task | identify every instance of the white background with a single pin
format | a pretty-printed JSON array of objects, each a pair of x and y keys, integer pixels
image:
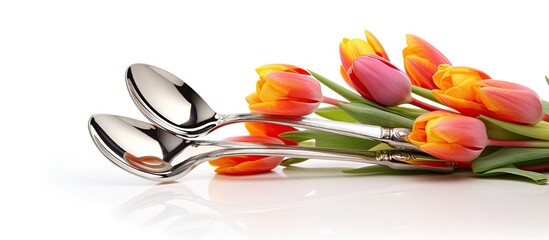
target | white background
[{"x": 62, "y": 61}]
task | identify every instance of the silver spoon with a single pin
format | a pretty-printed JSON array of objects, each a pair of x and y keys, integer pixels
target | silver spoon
[
  {"x": 155, "y": 154},
  {"x": 173, "y": 105}
]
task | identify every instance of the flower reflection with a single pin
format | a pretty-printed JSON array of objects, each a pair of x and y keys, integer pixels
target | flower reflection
[{"x": 311, "y": 203}]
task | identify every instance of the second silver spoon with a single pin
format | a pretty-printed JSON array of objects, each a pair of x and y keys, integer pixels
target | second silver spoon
[{"x": 146, "y": 151}]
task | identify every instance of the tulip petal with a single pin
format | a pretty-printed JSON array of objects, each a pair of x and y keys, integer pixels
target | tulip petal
[
  {"x": 464, "y": 91},
  {"x": 454, "y": 76},
  {"x": 420, "y": 47},
  {"x": 350, "y": 49},
  {"x": 283, "y": 85},
  {"x": 457, "y": 129},
  {"x": 262, "y": 71},
  {"x": 284, "y": 107},
  {"x": 345, "y": 76},
  {"x": 253, "y": 98},
  {"x": 420, "y": 71},
  {"x": 242, "y": 165},
  {"x": 375, "y": 44},
  {"x": 381, "y": 80},
  {"x": 270, "y": 130},
  {"x": 465, "y": 107},
  {"x": 251, "y": 167},
  {"x": 232, "y": 161},
  {"x": 451, "y": 151},
  {"x": 510, "y": 102}
]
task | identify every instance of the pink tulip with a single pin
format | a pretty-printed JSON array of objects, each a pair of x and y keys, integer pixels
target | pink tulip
[
  {"x": 502, "y": 100},
  {"x": 378, "y": 80}
]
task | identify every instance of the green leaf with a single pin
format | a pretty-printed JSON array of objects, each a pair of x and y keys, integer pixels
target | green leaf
[
  {"x": 538, "y": 131},
  {"x": 343, "y": 91},
  {"x": 545, "y": 105},
  {"x": 335, "y": 113},
  {"x": 289, "y": 161},
  {"x": 374, "y": 116},
  {"x": 411, "y": 113},
  {"x": 496, "y": 132},
  {"x": 426, "y": 93},
  {"x": 381, "y": 146},
  {"x": 510, "y": 169},
  {"x": 330, "y": 140},
  {"x": 547, "y": 79},
  {"x": 506, "y": 156},
  {"x": 380, "y": 169},
  {"x": 374, "y": 169}
]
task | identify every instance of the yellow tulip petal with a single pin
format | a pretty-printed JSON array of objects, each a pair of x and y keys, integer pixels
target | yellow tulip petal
[
  {"x": 345, "y": 76},
  {"x": 253, "y": 98},
  {"x": 375, "y": 44}
]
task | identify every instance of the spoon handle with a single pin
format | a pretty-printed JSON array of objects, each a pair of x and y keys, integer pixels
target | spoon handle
[
  {"x": 395, "y": 159},
  {"x": 396, "y": 137}
]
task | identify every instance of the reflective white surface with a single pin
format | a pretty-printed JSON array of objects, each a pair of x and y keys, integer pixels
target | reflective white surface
[
  {"x": 62, "y": 61},
  {"x": 317, "y": 201},
  {"x": 321, "y": 203}
]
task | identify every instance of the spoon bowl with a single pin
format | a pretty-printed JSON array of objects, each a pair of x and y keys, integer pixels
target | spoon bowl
[{"x": 169, "y": 102}]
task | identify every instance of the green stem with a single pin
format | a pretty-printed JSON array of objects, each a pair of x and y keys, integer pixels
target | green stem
[
  {"x": 348, "y": 94},
  {"x": 424, "y": 105},
  {"x": 518, "y": 143},
  {"x": 535, "y": 167},
  {"x": 424, "y": 92},
  {"x": 332, "y": 101}
]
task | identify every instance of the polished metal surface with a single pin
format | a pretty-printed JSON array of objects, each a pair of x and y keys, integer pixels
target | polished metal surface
[
  {"x": 155, "y": 154},
  {"x": 173, "y": 105}
]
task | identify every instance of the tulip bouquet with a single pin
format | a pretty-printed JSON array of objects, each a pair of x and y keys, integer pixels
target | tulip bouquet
[{"x": 456, "y": 113}]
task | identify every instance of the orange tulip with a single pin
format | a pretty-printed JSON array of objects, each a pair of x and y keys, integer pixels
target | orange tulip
[
  {"x": 378, "y": 80},
  {"x": 270, "y": 130},
  {"x": 449, "y": 136},
  {"x": 421, "y": 61},
  {"x": 502, "y": 100},
  {"x": 244, "y": 165},
  {"x": 285, "y": 90},
  {"x": 350, "y": 49},
  {"x": 449, "y": 76}
]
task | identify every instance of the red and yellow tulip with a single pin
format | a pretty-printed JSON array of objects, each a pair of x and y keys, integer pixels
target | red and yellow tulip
[
  {"x": 471, "y": 93},
  {"x": 270, "y": 130},
  {"x": 421, "y": 61},
  {"x": 245, "y": 165},
  {"x": 350, "y": 49},
  {"x": 285, "y": 90},
  {"x": 449, "y": 136}
]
